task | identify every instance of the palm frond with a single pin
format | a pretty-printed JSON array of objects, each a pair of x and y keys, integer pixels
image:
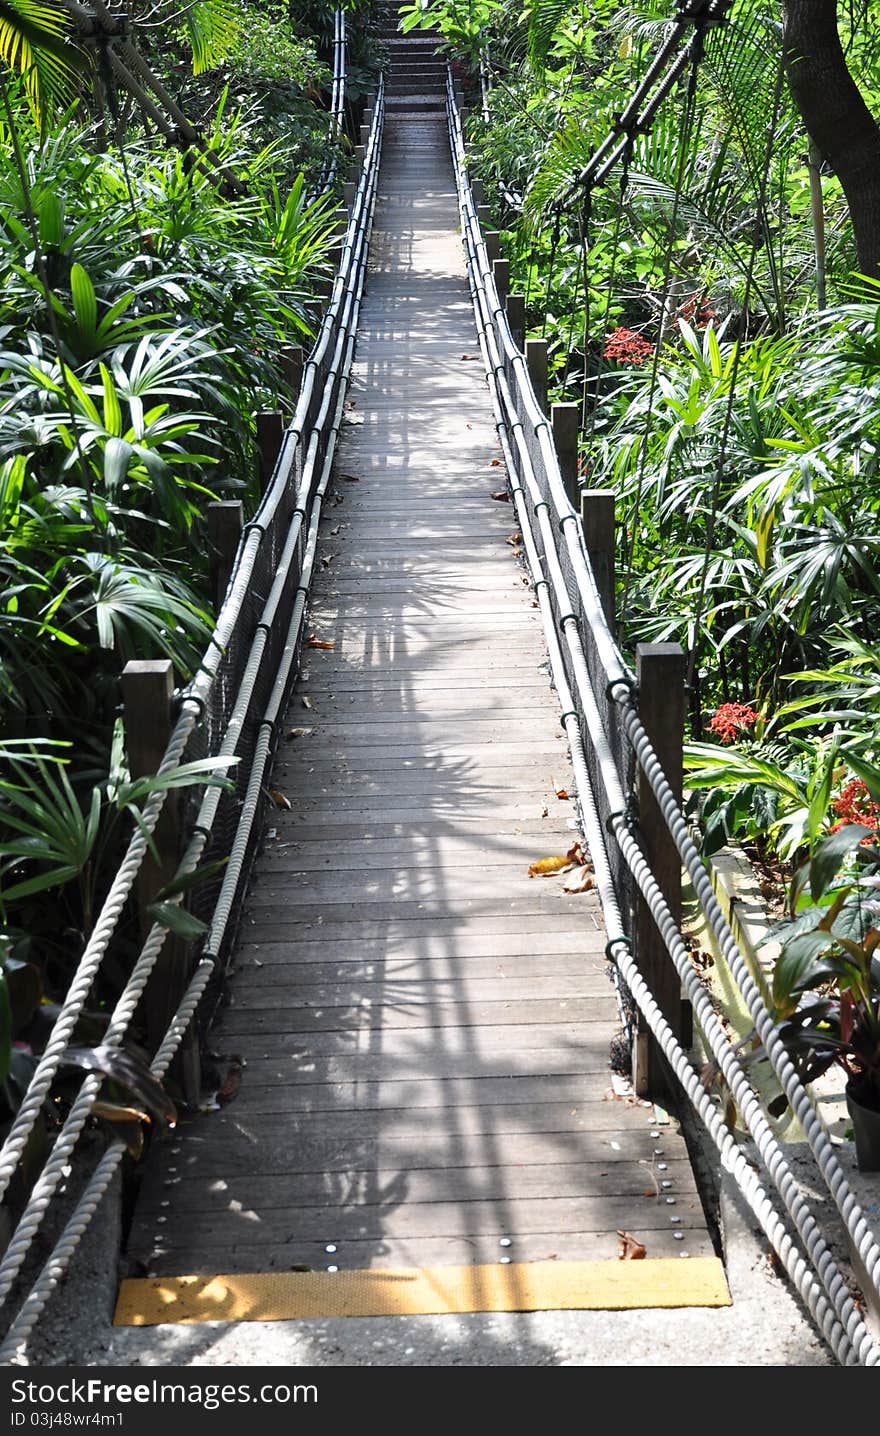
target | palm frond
[
  {"x": 212, "y": 26},
  {"x": 36, "y": 43}
]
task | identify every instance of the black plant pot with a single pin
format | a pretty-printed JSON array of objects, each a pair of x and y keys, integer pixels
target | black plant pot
[{"x": 866, "y": 1127}]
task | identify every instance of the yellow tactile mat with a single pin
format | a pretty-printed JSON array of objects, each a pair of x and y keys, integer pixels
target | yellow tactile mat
[{"x": 523, "y": 1286}]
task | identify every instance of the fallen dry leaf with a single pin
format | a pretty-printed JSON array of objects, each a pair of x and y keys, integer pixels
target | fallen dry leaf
[
  {"x": 494, "y": 463},
  {"x": 470, "y": 356},
  {"x": 629, "y": 1248},
  {"x": 546, "y": 867},
  {"x": 231, "y": 1082},
  {"x": 579, "y": 881},
  {"x": 514, "y": 539},
  {"x": 350, "y": 478},
  {"x": 313, "y": 641},
  {"x": 337, "y": 530},
  {"x": 298, "y": 732},
  {"x": 562, "y": 793},
  {"x": 327, "y": 559},
  {"x": 307, "y": 702},
  {"x": 279, "y": 799},
  {"x": 338, "y": 499},
  {"x": 501, "y": 496}
]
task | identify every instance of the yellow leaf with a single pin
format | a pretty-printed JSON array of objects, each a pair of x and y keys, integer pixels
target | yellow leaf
[
  {"x": 546, "y": 867},
  {"x": 279, "y": 799}
]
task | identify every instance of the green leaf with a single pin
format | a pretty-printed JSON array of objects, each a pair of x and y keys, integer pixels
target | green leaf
[
  {"x": 177, "y": 920},
  {"x": 794, "y": 965},
  {"x": 85, "y": 304},
  {"x": 868, "y": 772},
  {"x": 116, "y": 459},
  {"x": 828, "y": 857}
]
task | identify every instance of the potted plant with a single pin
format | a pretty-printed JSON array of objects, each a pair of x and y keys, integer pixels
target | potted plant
[{"x": 826, "y": 983}]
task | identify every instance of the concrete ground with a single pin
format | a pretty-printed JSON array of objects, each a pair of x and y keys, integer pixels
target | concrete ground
[{"x": 765, "y": 1326}]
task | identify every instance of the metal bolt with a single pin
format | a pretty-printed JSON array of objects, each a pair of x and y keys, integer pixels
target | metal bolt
[
  {"x": 679, "y": 1236},
  {"x": 505, "y": 1242},
  {"x": 330, "y": 1247},
  {"x": 333, "y": 1268},
  {"x": 658, "y": 1151},
  {"x": 654, "y": 1134},
  {"x": 675, "y": 1219},
  {"x": 666, "y": 1184},
  {"x": 662, "y": 1166},
  {"x": 505, "y": 1261},
  {"x": 670, "y": 1201}
]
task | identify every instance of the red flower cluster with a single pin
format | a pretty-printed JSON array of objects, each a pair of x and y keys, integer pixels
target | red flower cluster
[
  {"x": 855, "y": 805},
  {"x": 624, "y": 346},
  {"x": 697, "y": 310},
  {"x": 732, "y": 721}
]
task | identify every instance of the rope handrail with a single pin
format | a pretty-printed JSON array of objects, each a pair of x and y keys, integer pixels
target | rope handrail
[
  {"x": 556, "y": 539},
  {"x": 299, "y": 482}
]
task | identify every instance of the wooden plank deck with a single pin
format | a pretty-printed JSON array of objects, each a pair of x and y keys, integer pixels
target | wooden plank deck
[{"x": 424, "y": 1028}]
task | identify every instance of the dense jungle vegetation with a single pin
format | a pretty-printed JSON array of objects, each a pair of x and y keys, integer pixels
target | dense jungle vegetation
[{"x": 164, "y": 232}]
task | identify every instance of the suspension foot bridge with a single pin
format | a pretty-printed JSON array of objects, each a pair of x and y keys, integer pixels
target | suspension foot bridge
[{"x": 426, "y": 1119}]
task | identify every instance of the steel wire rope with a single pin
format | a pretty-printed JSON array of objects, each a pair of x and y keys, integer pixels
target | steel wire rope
[
  {"x": 686, "y": 131},
  {"x": 609, "y": 289},
  {"x": 731, "y": 393}
]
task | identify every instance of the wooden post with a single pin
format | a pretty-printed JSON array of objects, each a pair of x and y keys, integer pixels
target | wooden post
[
  {"x": 536, "y": 359},
  {"x": 340, "y": 214},
  {"x": 147, "y": 688},
  {"x": 349, "y": 190},
  {"x": 565, "y": 420},
  {"x": 270, "y": 432},
  {"x": 492, "y": 238},
  {"x": 484, "y": 216},
  {"x": 477, "y": 191},
  {"x": 365, "y": 135},
  {"x": 360, "y": 155},
  {"x": 292, "y": 361},
  {"x": 225, "y": 523},
  {"x": 516, "y": 318},
  {"x": 597, "y": 518},
  {"x": 501, "y": 274},
  {"x": 660, "y": 673}
]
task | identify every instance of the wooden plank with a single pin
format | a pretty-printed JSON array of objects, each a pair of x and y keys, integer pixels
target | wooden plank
[
  {"x": 283, "y": 1013},
  {"x": 489, "y": 930},
  {"x": 540, "y": 1093},
  {"x": 304, "y": 1065},
  {"x": 163, "y": 1258},
  {"x": 491, "y": 1184},
  {"x": 459, "y": 1218},
  {"x": 274, "y": 986}
]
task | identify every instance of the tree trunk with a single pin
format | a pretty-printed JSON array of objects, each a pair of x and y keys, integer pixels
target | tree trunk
[{"x": 836, "y": 116}]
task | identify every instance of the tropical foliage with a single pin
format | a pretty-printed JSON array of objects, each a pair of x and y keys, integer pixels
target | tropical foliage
[
  {"x": 700, "y": 303},
  {"x": 149, "y": 285}
]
